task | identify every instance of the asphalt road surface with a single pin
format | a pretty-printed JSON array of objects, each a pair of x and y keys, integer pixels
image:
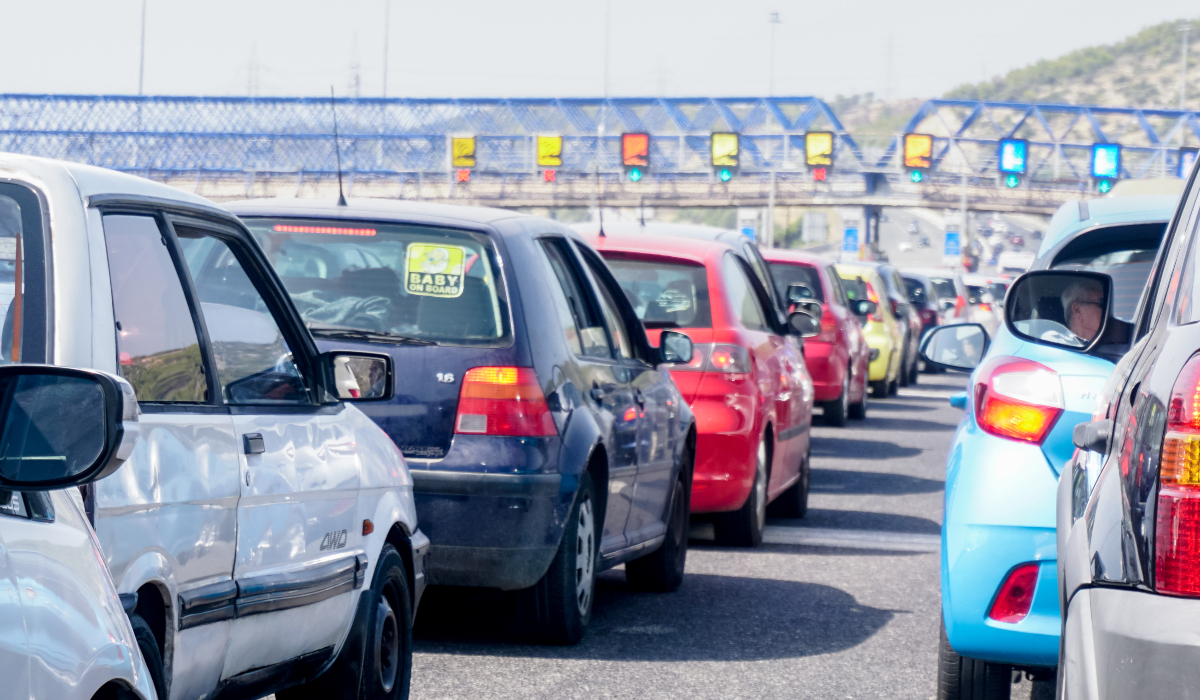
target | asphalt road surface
[{"x": 841, "y": 604}]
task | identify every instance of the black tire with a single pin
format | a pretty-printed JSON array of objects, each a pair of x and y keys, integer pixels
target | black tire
[
  {"x": 858, "y": 411},
  {"x": 894, "y": 387},
  {"x": 661, "y": 571},
  {"x": 902, "y": 377},
  {"x": 557, "y": 609},
  {"x": 376, "y": 661},
  {"x": 744, "y": 526},
  {"x": 793, "y": 503},
  {"x": 836, "y": 410},
  {"x": 879, "y": 389},
  {"x": 914, "y": 373},
  {"x": 962, "y": 678},
  {"x": 148, "y": 645}
]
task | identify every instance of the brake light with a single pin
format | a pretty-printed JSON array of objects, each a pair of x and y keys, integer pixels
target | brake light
[
  {"x": 730, "y": 359},
  {"x": 1177, "y": 534},
  {"x": 503, "y": 401},
  {"x": 1018, "y": 399},
  {"x": 1016, "y": 594},
  {"x": 872, "y": 296},
  {"x": 331, "y": 230},
  {"x": 829, "y": 325},
  {"x": 960, "y": 304},
  {"x": 985, "y": 307},
  {"x": 929, "y": 317}
]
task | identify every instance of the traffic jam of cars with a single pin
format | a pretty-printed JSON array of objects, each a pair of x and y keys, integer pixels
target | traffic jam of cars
[{"x": 244, "y": 440}]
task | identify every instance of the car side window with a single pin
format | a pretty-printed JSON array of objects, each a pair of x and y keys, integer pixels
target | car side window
[
  {"x": 608, "y": 305},
  {"x": 15, "y": 506},
  {"x": 157, "y": 343},
  {"x": 254, "y": 363},
  {"x": 566, "y": 316},
  {"x": 1177, "y": 256},
  {"x": 592, "y": 339},
  {"x": 835, "y": 282},
  {"x": 742, "y": 300},
  {"x": 1184, "y": 277}
]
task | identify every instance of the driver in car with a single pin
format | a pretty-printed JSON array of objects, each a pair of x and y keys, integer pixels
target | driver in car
[{"x": 1083, "y": 305}]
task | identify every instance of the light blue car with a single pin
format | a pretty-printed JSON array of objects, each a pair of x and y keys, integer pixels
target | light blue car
[{"x": 1000, "y": 608}]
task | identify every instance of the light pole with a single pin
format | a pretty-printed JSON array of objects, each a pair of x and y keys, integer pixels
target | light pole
[
  {"x": 773, "y": 20},
  {"x": 142, "y": 54},
  {"x": 1185, "y": 27},
  {"x": 387, "y": 30}
]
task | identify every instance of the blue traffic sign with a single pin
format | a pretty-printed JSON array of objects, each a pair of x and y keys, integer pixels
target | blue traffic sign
[
  {"x": 1014, "y": 156},
  {"x": 953, "y": 247},
  {"x": 850, "y": 241}
]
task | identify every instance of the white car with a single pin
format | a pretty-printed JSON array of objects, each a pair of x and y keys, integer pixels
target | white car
[
  {"x": 63, "y": 630},
  {"x": 265, "y": 525}
]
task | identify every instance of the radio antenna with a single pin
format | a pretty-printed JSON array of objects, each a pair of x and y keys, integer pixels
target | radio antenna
[{"x": 337, "y": 148}]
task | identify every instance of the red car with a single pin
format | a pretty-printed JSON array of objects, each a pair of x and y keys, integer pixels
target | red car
[
  {"x": 837, "y": 359},
  {"x": 747, "y": 383}
]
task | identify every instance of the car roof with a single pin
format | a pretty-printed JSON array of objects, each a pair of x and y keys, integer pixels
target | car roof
[
  {"x": 697, "y": 251},
  {"x": 929, "y": 272},
  {"x": 780, "y": 255},
  {"x": 1078, "y": 215},
  {"x": 393, "y": 210}
]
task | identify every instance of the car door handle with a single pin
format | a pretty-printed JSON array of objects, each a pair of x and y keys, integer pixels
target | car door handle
[{"x": 254, "y": 444}]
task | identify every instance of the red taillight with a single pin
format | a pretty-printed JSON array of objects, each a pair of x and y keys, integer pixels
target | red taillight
[
  {"x": 960, "y": 305},
  {"x": 731, "y": 359},
  {"x": 1017, "y": 399},
  {"x": 872, "y": 296},
  {"x": 1177, "y": 535},
  {"x": 828, "y": 325},
  {"x": 1016, "y": 595},
  {"x": 986, "y": 307},
  {"x": 503, "y": 401},
  {"x": 929, "y": 317}
]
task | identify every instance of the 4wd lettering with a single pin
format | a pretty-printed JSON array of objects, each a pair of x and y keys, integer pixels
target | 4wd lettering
[{"x": 333, "y": 540}]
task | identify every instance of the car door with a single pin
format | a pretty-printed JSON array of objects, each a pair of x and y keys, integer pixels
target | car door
[
  {"x": 605, "y": 381},
  {"x": 653, "y": 396},
  {"x": 173, "y": 509},
  {"x": 298, "y": 535},
  {"x": 14, "y": 645}
]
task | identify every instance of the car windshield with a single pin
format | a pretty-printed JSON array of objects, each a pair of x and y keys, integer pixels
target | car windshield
[
  {"x": 408, "y": 282},
  {"x": 943, "y": 287},
  {"x": 787, "y": 274},
  {"x": 664, "y": 294},
  {"x": 1125, "y": 253}
]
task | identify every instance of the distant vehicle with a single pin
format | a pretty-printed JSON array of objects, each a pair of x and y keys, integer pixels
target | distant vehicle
[
  {"x": 884, "y": 331},
  {"x": 529, "y": 393},
  {"x": 838, "y": 359},
  {"x": 986, "y": 310},
  {"x": 922, "y": 294},
  {"x": 1037, "y": 235},
  {"x": 914, "y": 227},
  {"x": 1023, "y": 400},
  {"x": 1016, "y": 240},
  {"x": 1015, "y": 262},
  {"x": 905, "y": 246},
  {"x": 750, "y": 451},
  {"x": 924, "y": 242},
  {"x": 996, "y": 240}
]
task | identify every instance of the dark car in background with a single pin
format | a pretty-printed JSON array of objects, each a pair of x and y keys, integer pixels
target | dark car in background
[
  {"x": 923, "y": 295},
  {"x": 906, "y": 316},
  {"x": 544, "y": 441}
]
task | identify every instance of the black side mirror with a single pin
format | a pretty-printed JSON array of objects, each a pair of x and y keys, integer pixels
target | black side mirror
[
  {"x": 1068, "y": 310},
  {"x": 803, "y": 325},
  {"x": 360, "y": 376},
  {"x": 800, "y": 292},
  {"x": 812, "y": 308},
  {"x": 675, "y": 348},
  {"x": 63, "y": 427},
  {"x": 959, "y": 347},
  {"x": 863, "y": 307},
  {"x": 1093, "y": 437}
]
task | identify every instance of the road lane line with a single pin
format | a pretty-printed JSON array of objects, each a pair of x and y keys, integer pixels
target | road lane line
[{"x": 851, "y": 539}]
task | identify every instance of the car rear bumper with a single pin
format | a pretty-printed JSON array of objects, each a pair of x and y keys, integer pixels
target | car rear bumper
[
  {"x": 724, "y": 471},
  {"x": 490, "y": 530},
  {"x": 1123, "y": 643},
  {"x": 827, "y": 369}
]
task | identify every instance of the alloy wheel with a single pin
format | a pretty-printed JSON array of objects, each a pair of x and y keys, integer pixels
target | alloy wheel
[
  {"x": 585, "y": 557},
  {"x": 760, "y": 487}
]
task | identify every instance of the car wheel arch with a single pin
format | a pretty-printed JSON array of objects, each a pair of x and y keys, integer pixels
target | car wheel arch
[{"x": 399, "y": 537}]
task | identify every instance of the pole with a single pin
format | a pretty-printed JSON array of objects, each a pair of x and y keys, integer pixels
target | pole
[
  {"x": 387, "y": 30},
  {"x": 1187, "y": 27},
  {"x": 142, "y": 54},
  {"x": 963, "y": 238},
  {"x": 770, "y": 227},
  {"x": 773, "y": 20}
]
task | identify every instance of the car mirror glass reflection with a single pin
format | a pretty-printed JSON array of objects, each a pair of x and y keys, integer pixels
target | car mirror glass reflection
[
  {"x": 960, "y": 347},
  {"x": 1068, "y": 310}
]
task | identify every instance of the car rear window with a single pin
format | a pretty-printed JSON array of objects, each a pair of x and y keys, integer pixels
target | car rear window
[
  {"x": 943, "y": 288},
  {"x": 787, "y": 274},
  {"x": 433, "y": 284},
  {"x": 1126, "y": 253},
  {"x": 664, "y": 294},
  {"x": 916, "y": 291}
]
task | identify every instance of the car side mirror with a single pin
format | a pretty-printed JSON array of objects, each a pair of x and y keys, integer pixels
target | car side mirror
[
  {"x": 1093, "y": 437},
  {"x": 863, "y": 307},
  {"x": 812, "y": 308},
  {"x": 360, "y": 376},
  {"x": 803, "y": 325},
  {"x": 958, "y": 347},
  {"x": 1068, "y": 310},
  {"x": 675, "y": 348},
  {"x": 800, "y": 292},
  {"x": 63, "y": 427}
]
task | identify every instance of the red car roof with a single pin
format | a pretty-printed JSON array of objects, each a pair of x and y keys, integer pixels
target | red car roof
[
  {"x": 795, "y": 256},
  {"x": 690, "y": 249}
]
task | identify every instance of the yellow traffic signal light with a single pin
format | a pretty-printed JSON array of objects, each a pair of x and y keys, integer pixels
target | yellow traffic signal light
[
  {"x": 818, "y": 149},
  {"x": 724, "y": 150},
  {"x": 918, "y": 151},
  {"x": 549, "y": 151},
  {"x": 462, "y": 151}
]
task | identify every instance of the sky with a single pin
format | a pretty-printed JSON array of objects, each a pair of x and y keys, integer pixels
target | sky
[{"x": 549, "y": 48}]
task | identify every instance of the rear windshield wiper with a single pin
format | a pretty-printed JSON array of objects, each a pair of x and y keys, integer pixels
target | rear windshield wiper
[{"x": 369, "y": 336}]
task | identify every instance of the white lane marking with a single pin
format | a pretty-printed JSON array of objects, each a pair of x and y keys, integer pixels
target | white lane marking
[
  {"x": 918, "y": 394},
  {"x": 852, "y": 539}
]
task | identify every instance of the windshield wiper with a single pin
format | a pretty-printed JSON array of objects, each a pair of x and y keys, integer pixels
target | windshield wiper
[{"x": 369, "y": 336}]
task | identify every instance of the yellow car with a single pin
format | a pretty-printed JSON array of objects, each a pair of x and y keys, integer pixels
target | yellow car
[{"x": 881, "y": 328}]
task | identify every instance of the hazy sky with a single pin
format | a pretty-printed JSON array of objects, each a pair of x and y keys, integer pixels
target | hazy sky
[{"x": 540, "y": 48}]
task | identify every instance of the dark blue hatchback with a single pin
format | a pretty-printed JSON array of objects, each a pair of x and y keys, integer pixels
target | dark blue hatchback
[{"x": 545, "y": 439}]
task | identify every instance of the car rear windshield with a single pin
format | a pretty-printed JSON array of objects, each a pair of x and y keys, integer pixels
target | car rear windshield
[
  {"x": 975, "y": 294},
  {"x": 1126, "y": 253},
  {"x": 787, "y": 274},
  {"x": 916, "y": 291},
  {"x": 943, "y": 287},
  {"x": 664, "y": 294},
  {"x": 426, "y": 283}
]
